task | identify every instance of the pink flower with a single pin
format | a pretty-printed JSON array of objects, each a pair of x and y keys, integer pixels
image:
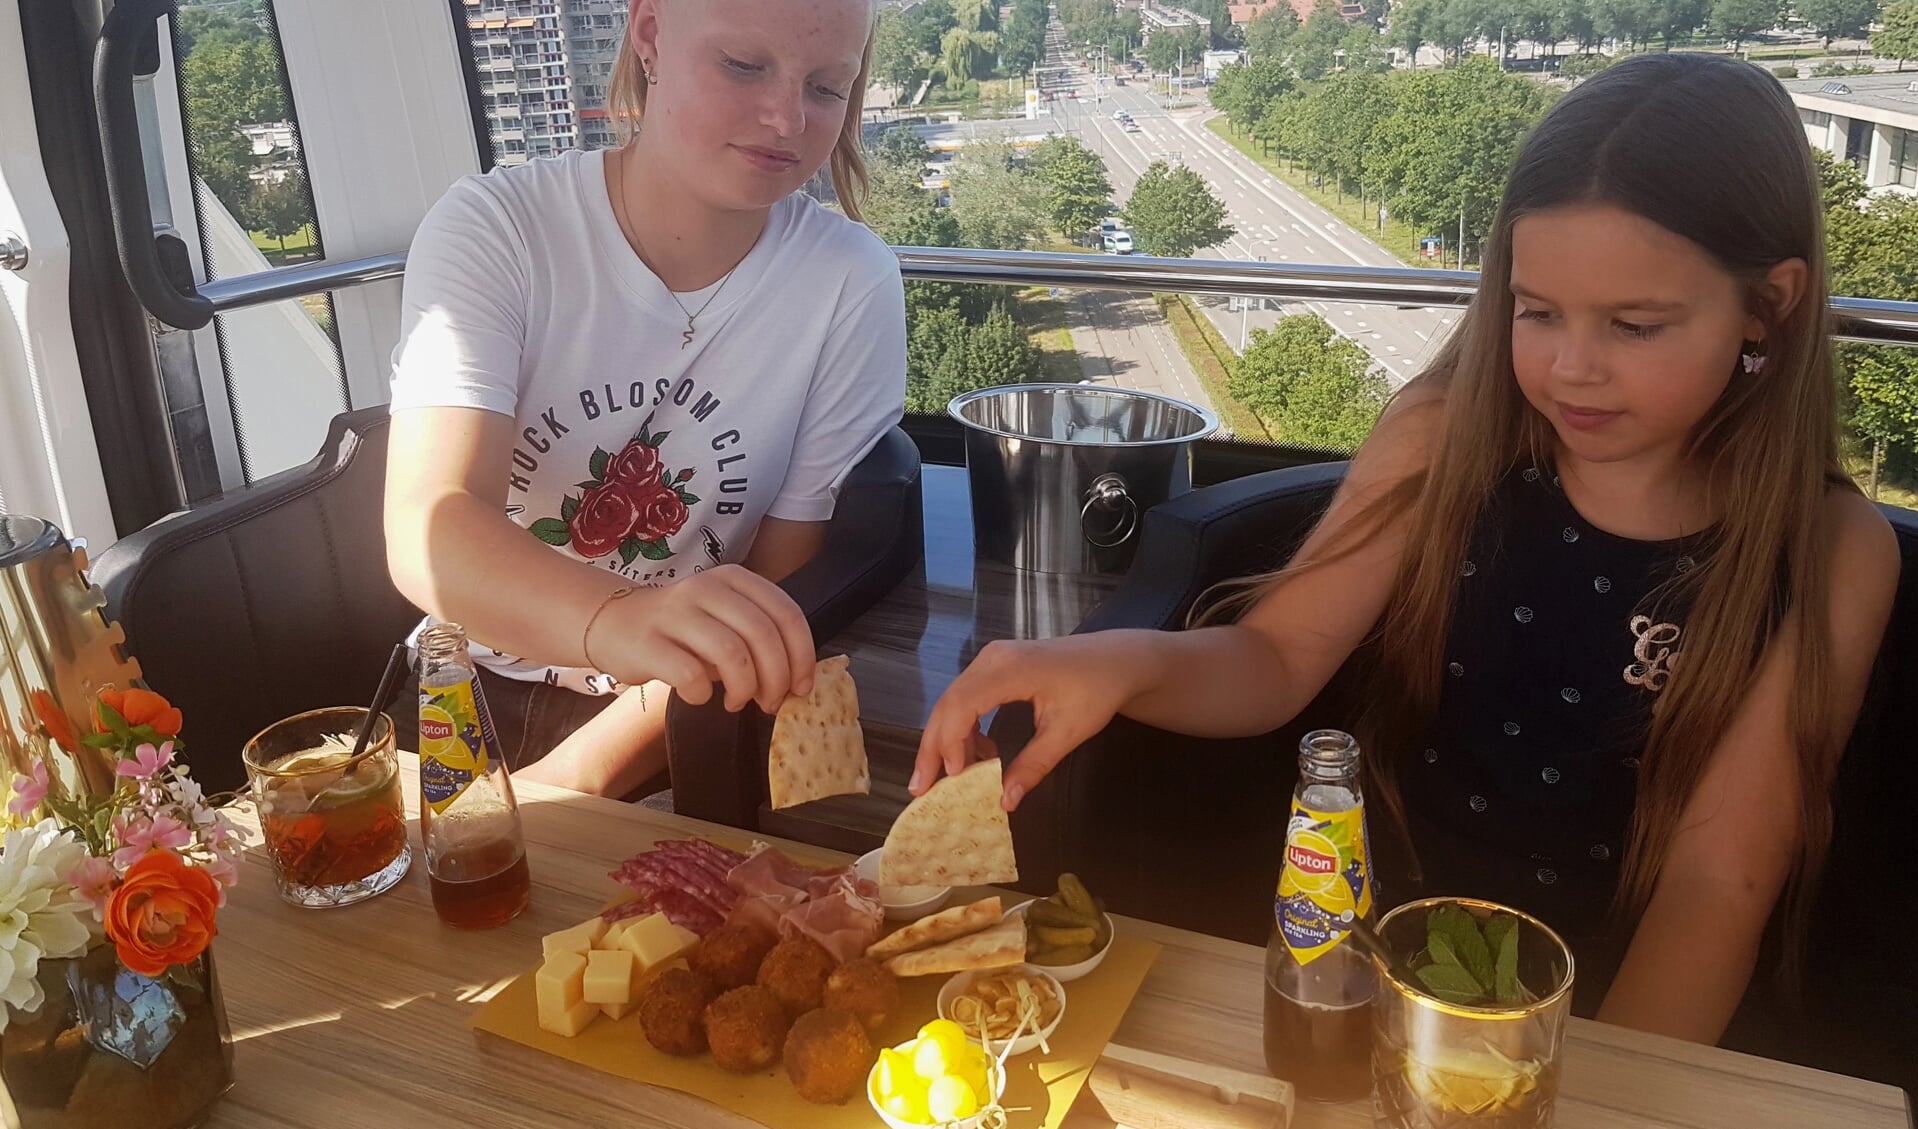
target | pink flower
[
  {"x": 29, "y": 791},
  {"x": 224, "y": 873},
  {"x": 94, "y": 878},
  {"x": 139, "y": 835},
  {"x": 145, "y": 762}
]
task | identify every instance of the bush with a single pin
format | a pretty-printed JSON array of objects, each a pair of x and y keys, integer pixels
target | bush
[
  {"x": 1832, "y": 68},
  {"x": 1583, "y": 66},
  {"x": 1786, "y": 71}
]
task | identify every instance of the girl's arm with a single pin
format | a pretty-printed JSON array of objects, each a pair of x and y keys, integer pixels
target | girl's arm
[
  {"x": 1238, "y": 680},
  {"x": 1697, "y": 943},
  {"x": 452, "y": 551}
]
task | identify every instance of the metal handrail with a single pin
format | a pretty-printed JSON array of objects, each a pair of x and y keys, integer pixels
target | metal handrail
[{"x": 1869, "y": 320}]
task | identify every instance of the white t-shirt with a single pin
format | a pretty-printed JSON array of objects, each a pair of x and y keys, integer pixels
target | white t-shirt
[{"x": 637, "y": 451}]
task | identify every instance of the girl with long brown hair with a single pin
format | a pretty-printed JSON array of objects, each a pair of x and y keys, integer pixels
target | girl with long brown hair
[
  {"x": 630, "y": 383},
  {"x": 1617, "y": 600}
]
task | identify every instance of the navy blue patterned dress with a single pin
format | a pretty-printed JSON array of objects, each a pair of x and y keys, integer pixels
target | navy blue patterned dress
[{"x": 1523, "y": 790}]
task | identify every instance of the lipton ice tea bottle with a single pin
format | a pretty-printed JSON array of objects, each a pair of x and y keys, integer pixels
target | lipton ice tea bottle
[
  {"x": 475, "y": 855},
  {"x": 1318, "y": 982}
]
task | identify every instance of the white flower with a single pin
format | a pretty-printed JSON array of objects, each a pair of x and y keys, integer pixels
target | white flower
[{"x": 42, "y": 915}]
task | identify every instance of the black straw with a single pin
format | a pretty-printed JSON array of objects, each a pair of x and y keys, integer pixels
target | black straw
[{"x": 396, "y": 665}]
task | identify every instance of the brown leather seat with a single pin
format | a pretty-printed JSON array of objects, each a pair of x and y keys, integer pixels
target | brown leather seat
[{"x": 276, "y": 599}]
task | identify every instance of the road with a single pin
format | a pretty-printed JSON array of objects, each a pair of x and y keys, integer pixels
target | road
[
  {"x": 1274, "y": 221},
  {"x": 1123, "y": 340}
]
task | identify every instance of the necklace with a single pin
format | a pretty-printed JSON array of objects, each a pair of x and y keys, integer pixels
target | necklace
[{"x": 627, "y": 229}]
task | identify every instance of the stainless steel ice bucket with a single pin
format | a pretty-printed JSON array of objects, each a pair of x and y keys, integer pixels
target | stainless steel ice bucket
[{"x": 1062, "y": 474}]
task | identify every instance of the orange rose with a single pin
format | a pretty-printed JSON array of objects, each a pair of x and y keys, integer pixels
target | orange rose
[
  {"x": 59, "y": 729},
  {"x": 144, "y": 707},
  {"x": 162, "y": 914}
]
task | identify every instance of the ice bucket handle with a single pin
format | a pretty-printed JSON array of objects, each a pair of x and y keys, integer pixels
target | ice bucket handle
[{"x": 1108, "y": 492}]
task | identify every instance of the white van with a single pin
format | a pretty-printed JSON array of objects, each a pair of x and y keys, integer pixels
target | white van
[{"x": 1118, "y": 243}]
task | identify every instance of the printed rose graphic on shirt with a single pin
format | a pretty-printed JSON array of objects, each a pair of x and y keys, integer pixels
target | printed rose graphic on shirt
[{"x": 632, "y": 504}]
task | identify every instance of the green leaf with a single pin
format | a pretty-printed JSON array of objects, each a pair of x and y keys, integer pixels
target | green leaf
[
  {"x": 1461, "y": 930},
  {"x": 645, "y": 430},
  {"x": 659, "y": 439},
  {"x": 628, "y": 549},
  {"x": 1442, "y": 952},
  {"x": 655, "y": 550},
  {"x": 689, "y": 499},
  {"x": 589, "y": 485},
  {"x": 1497, "y": 927},
  {"x": 552, "y": 531},
  {"x": 1450, "y": 983},
  {"x": 1510, "y": 992},
  {"x": 113, "y": 720},
  {"x": 100, "y": 741},
  {"x": 568, "y": 506},
  {"x": 598, "y": 466}
]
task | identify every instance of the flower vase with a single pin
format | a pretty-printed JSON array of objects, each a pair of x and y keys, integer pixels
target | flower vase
[{"x": 110, "y": 1047}]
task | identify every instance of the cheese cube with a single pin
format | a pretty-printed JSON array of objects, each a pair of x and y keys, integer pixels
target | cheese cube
[
  {"x": 560, "y": 989},
  {"x": 614, "y": 931},
  {"x": 609, "y": 977},
  {"x": 578, "y": 939},
  {"x": 641, "y": 979},
  {"x": 654, "y": 940}
]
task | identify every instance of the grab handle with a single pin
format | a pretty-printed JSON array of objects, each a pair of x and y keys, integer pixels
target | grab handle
[
  {"x": 1108, "y": 492},
  {"x": 127, "y": 35}
]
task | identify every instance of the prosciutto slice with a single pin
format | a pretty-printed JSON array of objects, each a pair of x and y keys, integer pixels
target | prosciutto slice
[{"x": 832, "y": 907}]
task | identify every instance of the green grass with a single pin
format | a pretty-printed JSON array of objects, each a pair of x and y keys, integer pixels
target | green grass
[
  {"x": 1212, "y": 359},
  {"x": 1045, "y": 319},
  {"x": 298, "y": 244}
]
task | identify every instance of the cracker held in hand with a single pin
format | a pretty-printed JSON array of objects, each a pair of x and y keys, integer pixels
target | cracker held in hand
[
  {"x": 954, "y": 835},
  {"x": 818, "y": 749},
  {"x": 958, "y": 921},
  {"x": 1001, "y": 945}
]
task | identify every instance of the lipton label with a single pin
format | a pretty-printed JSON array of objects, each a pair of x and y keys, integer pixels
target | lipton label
[
  {"x": 456, "y": 740},
  {"x": 1326, "y": 882}
]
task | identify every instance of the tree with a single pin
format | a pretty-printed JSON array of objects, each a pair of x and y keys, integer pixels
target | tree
[
  {"x": 1270, "y": 32},
  {"x": 1244, "y": 90},
  {"x": 1078, "y": 192},
  {"x": 1166, "y": 48},
  {"x": 1349, "y": 109},
  {"x": 967, "y": 54},
  {"x": 902, "y": 148},
  {"x": 1838, "y": 19},
  {"x": 1409, "y": 27},
  {"x": 1175, "y": 212},
  {"x": 1674, "y": 19},
  {"x": 233, "y": 81},
  {"x": 1739, "y": 20},
  {"x": 1625, "y": 20},
  {"x": 928, "y": 23},
  {"x": 897, "y": 60},
  {"x": 1310, "y": 386},
  {"x": 1313, "y": 49},
  {"x": 946, "y": 357},
  {"x": 999, "y": 203},
  {"x": 1443, "y": 150},
  {"x": 1023, "y": 42},
  {"x": 282, "y": 208},
  {"x": 1898, "y": 38},
  {"x": 977, "y": 15}
]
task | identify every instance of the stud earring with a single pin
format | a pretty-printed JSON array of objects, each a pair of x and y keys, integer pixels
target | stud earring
[
  {"x": 1752, "y": 358},
  {"x": 651, "y": 78}
]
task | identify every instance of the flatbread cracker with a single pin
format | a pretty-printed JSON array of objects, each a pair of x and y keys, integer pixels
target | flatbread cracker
[
  {"x": 959, "y": 921},
  {"x": 954, "y": 835},
  {"x": 818, "y": 749},
  {"x": 1003, "y": 944}
]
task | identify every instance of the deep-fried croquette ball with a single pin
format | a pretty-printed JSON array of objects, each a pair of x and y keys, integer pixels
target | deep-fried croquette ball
[
  {"x": 670, "y": 1012},
  {"x": 745, "y": 1028},
  {"x": 729, "y": 956},
  {"x": 795, "y": 971},
  {"x": 866, "y": 988},
  {"x": 828, "y": 1056}
]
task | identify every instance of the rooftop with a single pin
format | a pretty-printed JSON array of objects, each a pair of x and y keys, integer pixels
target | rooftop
[{"x": 1886, "y": 92}]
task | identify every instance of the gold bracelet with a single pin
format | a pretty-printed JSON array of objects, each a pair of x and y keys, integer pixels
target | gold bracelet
[{"x": 616, "y": 594}]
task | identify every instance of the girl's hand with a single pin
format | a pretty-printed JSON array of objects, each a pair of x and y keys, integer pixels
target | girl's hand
[
  {"x": 1076, "y": 685},
  {"x": 727, "y": 625}
]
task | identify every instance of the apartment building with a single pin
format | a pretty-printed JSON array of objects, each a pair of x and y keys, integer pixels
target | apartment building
[{"x": 1869, "y": 120}]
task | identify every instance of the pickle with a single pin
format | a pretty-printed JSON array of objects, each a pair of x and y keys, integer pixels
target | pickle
[
  {"x": 1049, "y": 913},
  {"x": 1102, "y": 933},
  {"x": 1076, "y": 897},
  {"x": 1066, "y": 938},
  {"x": 1071, "y": 954}
]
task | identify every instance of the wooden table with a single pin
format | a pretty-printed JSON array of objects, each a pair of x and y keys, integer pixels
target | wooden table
[{"x": 357, "y": 1017}]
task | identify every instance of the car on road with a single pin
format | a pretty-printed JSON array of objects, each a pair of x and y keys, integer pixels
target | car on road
[
  {"x": 1118, "y": 243},
  {"x": 1120, "y": 115},
  {"x": 1129, "y": 126},
  {"x": 1109, "y": 226}
]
